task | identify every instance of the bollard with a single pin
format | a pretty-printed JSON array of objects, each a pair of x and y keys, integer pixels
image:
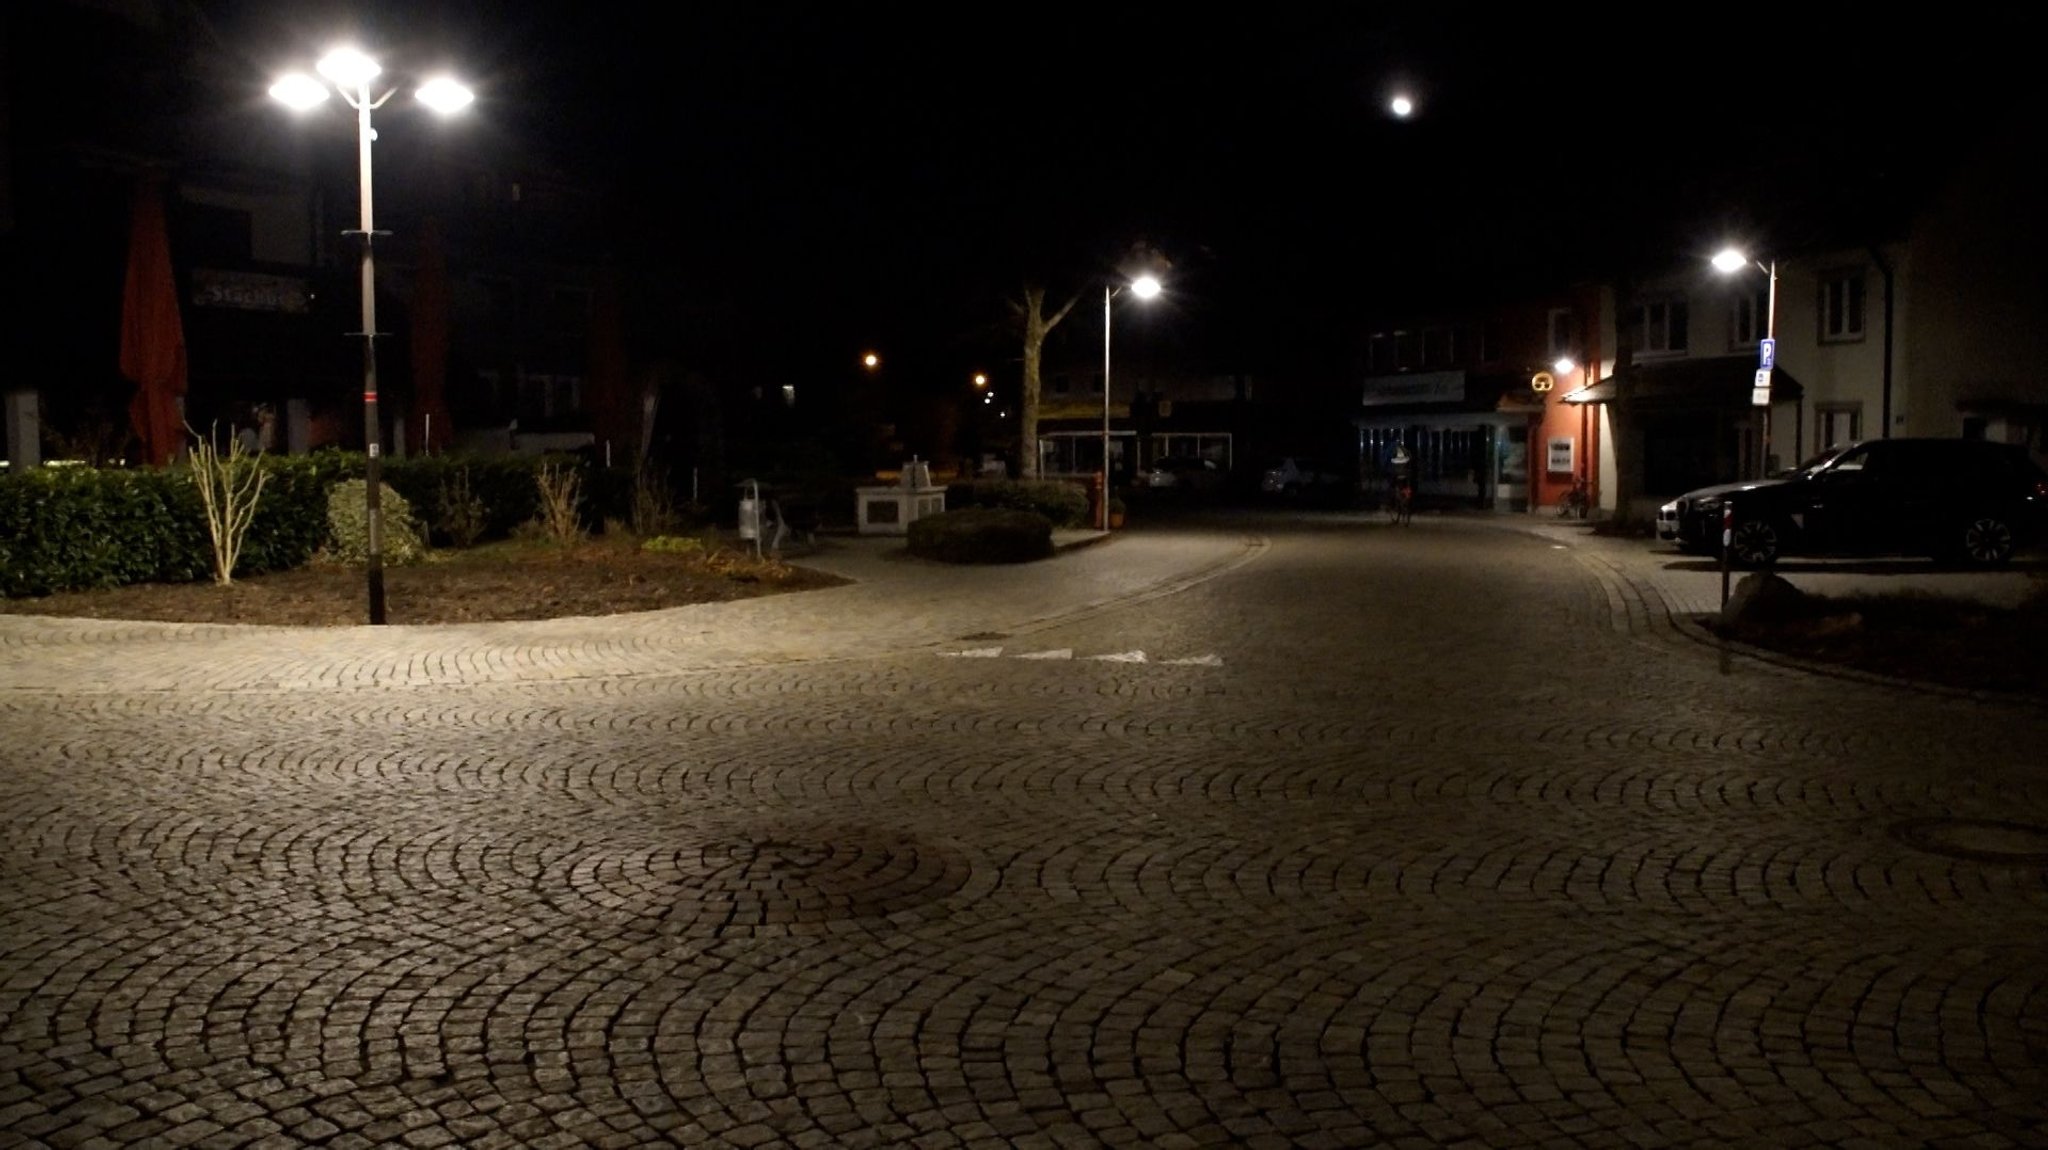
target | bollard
[{"x": 1727, "y": 546}]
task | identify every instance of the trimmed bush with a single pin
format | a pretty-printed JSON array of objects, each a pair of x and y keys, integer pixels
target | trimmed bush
[
  {"x": 348, "y": 519},
  {"x": 70, "y": 528},
  {"x": 982, "y": 535},
  {"x": 1063, "y": 504}
]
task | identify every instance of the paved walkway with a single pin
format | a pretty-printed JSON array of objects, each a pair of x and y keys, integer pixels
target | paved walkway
[{"x": 1315, "y": 836}]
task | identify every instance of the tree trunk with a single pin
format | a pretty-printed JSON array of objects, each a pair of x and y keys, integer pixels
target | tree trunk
[
  {"x": 1037, "y": 325},
  {"x": 1628, "y": 436}
]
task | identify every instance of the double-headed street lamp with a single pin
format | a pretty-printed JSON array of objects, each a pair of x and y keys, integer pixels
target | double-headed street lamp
[
  {"x": 1144, "y": 287},
  {"x": 350, "y": 73},
  {"x": 1731, "y": 260}
]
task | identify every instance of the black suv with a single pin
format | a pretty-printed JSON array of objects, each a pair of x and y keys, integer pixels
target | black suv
[{"x": 1967, "y": 500}]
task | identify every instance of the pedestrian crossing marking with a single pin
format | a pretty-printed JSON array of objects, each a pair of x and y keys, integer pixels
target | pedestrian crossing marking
[{"x": 1067, "y": 654}]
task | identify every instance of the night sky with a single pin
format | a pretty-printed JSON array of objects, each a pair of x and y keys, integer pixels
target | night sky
[{"x": 852, "y": 174}]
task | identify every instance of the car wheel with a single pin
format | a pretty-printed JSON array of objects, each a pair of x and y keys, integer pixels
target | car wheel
[
  {"x": 1987, "y": 541},
  {"x": 1754, "y": 543}
]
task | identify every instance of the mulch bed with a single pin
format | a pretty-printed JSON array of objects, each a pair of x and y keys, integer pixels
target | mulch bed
[{"x": 502, "y": 581}]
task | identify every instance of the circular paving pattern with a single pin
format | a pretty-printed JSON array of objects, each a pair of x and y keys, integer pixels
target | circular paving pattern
[{"x": 1554, "y": 886}]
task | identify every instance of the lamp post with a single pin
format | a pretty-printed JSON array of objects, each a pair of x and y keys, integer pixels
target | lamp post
[
  {"x": 1729, "y": 261},
  {"x": 350, "y": 73},
  {"x": 1144, "y": 287}
]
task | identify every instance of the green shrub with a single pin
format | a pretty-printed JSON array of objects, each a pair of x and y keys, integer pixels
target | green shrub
[
  {"x": 982, "y": 535},
  {"x": 68, "y": 528},
  {"x": 1064, "y": 504},
  {"x": 348, "y": 521},
  {"x": 674, "y": 545},
  {"x": 458, "y": 515}
]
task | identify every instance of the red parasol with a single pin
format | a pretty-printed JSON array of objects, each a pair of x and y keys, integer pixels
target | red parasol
[{"x": 152, "y": 336}]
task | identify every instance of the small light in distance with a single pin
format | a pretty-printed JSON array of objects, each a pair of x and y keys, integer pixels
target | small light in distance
[{"x": 1402, "y": 107}]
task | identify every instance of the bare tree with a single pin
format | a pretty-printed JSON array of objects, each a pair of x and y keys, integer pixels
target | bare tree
[
  {"x": 229, "y": 489},
  {"x": 1036, "y": 325}
]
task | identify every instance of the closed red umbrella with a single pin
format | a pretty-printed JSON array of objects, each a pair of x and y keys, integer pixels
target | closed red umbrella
[
  {"x": 430, "y": 343},
  {"x": 152, "y": 335}
]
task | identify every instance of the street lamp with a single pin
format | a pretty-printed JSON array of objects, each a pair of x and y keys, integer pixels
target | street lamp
[
  {"x": 1731, "y": 260},
  {"x": 1144, "y": 287},
  {"x": 350, "y": 73}
]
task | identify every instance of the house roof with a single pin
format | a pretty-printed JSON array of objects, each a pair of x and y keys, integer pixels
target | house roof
[{"x": 1694, "y": 382}]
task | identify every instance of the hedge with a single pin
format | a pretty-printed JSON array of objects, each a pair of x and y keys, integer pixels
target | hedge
[
  {"x": 74, "y": 528},
  {"x": 982, "y": 535},
  {"x": 1064, "y": 504}
]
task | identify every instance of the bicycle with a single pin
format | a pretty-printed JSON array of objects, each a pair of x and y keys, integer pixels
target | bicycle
[
  {"x": 1576, "y": 502},
  {"x": 1401, "y": 502}
]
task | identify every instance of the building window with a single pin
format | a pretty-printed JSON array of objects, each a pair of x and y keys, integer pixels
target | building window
[
  {"x": 1379, "y": 354},
  {"x": 1407, "y": 350},
  {"x": 1561, "y": 342},
  {"x": 1438, "y": 348},
  {"x": 1661, "y": 327},
  {"x": 1749, "y": 319},
  {"x": 1835, "y": 424},
  {"x": 1841, "y": 308}
]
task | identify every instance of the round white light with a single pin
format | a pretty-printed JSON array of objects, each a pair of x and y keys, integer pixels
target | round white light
[
  {"x": 1730, "y": 260},
  {"x": 348, "y": 67},
  {"x": 445, "y": 95},
  {"x": 298, "y": 90},
  {"x": 1564, "y": 366},
  {"x": 1145, "y": 287},
  {"x": 1402, "y": 106}
]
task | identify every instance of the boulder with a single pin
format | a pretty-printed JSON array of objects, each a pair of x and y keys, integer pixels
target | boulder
[{"x": 1762, "y": 598}]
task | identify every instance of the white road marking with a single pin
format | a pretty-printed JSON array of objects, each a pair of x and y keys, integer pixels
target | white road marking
[
  {"x": 1197, "y": 661},
  {"x": 1125, "y": 657},
  {"x": 976, "y": 653},
  {"x": 1059, "y": 653}
]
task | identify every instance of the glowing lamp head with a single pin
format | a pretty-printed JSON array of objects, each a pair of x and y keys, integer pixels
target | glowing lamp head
[
  {"x": 1145, "y": 287},
  {"x": 1564, "y": 366},
  {"x": 298, "y": 91},
  {"x": 1401, "y": 106},
  {"x": 348, "y": 67},
  {"x": 1730, "y": 260},
  {"x": 445, "y": 96}
]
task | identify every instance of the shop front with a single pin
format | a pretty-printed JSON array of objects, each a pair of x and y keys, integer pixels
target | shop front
[{"x": 1469, "y": 438}]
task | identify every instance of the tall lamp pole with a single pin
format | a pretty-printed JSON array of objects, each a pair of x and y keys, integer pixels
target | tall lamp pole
[
  {"x": 1729, "y": 261},
  {"x": 1144, "y": 287},
  {"x": 351, "y": 72}
]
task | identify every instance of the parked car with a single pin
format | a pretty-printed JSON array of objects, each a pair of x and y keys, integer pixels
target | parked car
[
  {"x": 1964, "y": 500},
  {"x": 1183, "y": 472},
  {"x": 1295, "y": 475}
]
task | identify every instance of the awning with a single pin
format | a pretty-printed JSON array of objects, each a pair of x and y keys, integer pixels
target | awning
[{"x": 1694, "y": 382}]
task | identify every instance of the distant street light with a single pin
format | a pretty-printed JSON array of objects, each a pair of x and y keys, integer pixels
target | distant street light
[
  {"x": 1144, "y": 287},
  {"x": 871, "y": 361},
  {"x": 1401, "y": 106},
  {"x": 351, "y": 72},
  {"x": 1729, "y": 261}
]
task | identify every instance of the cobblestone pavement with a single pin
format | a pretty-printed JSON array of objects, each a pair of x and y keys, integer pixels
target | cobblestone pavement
[{"x": 1313, "y": 832}]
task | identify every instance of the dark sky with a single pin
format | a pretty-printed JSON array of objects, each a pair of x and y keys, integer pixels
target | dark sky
[{"x": 860, "y": 169}]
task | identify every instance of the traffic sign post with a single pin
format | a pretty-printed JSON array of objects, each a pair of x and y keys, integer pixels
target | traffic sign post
[
  {"x": 1767, "y": 354},
  {"x": 1760, "y": 395}
]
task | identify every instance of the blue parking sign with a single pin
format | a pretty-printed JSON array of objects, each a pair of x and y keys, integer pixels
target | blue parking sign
[{"x": 1767, "y": 354}]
